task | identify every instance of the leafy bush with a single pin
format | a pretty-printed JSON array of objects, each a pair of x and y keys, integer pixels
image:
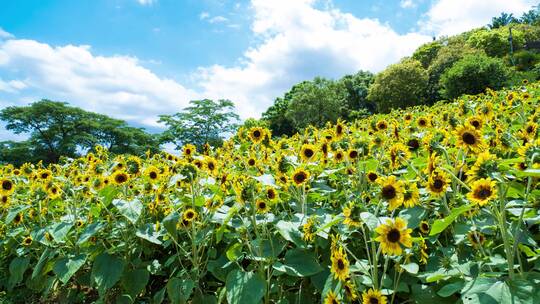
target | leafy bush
[
  {"x": 495, "y": 42},
  {"x": 400, "y": 85},
  {"x": 427, "y": 52},
  {"x": 472, "y": 75}
]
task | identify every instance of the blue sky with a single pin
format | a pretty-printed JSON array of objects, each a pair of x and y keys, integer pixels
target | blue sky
[{"x": 135, "y": 59}]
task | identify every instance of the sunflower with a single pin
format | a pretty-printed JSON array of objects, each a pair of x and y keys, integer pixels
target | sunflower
[
  {"x": 79, "y": 223},
  {"x": 485, "y": 164},
  {"x": 373, "y": 296},
  {"x": 352, "y": 154},
  {"x": 152, "y": 173},
  {"x": 438, "y": 183},
  {"x": 307, "y": 152},
  {"x": 392, "y": 234},
  {"x": 351, "y": 213},
  {"x": 6, "y": 186},
  {"x": 45, "y": 174},
  {"x": 424, "y": 227},
  {"x": 350, "y": 290},
  {"x": 309, "y": 229},
  {"x": 422, "y": 122},
  {"x": 372, "y": 176},
  {"x": 18, "y": 219},
  {"x": 469, "y": 138},
  {"x": 300, "y": 176},
  {"x": 331, "y": 298},
  {"x": 398, "y": 153},
  {"x": 256, "y": 134},
  {"x": 271, "y": 194},
  {"x": 54, "y": 192},
  {"x": 340, "y": 264},
  {"x": 120, "y": 177},
  {"x": 339, "y": 156},
  {"x": 212, "y": 204},
  {"x": 411, "y": 195},
  {"x": 482, "y": 191},
  {"x": 189, "y": 215},
  {"x": 392, "y": 191},
  {"x": 4, "y": 201},
  {"x": 262, "y": 206},
  {"x": 340, "y": 129},
  {"x": 27, "y": 241},
  {"x": 476, "y": 238},
  {"x": 382, "y": 125},
  {"x": 476, "y": 122},
  {"x": 188, "y": 150}
]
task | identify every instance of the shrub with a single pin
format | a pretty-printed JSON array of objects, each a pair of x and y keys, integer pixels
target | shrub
[{"x": 472, "y": 75}]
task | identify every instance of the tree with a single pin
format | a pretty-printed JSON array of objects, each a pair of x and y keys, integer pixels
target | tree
[
  {"x": 503, "y": 20},
  {"x": 315, "y": 103},
  {"x": 427, "y": 52},
  {"x": 531, "y": 17},
  {"x": 276, "y": 117},
  {"x": 356, "y": 88},
  {"x": 56, "y": 130},
  {"x": 206, "y": 121},
  {"x": 472, "y": 75},
  {"x": 399, "y": 85}
]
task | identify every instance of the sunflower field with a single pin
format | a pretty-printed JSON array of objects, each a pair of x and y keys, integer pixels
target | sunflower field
[{"x": 423, "y": 204}]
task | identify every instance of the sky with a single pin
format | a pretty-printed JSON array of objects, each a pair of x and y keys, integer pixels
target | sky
[{"x": 137, "y": 59}]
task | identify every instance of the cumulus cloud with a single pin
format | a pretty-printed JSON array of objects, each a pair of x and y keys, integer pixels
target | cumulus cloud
[
  {"x": 299, "y": 42},
  {"x": 146, "y": 2},
  {"x": 450, "y": 17},
  {"x": 218, "y": 19},
  {"x": 407, "y": 3},
  {"x": 4, "y": 34},
  {"x": 118, "y": 86}
]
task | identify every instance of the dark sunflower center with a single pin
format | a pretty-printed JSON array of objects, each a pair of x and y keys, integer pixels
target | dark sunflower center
[
  {"x": 4, "y": 199},
  {"x": 353, "y": 154},
  {"x": 300, "y": 177},
  {"x": 389, "y": 192},
  {"x": 530, "y": 129},
  {"x": 120, "y": 178},
  {"x": 211, "y": 166},
  {"x": 308, "y": 153},
  {"x": 190, "y": 215},
  {"x": 372, "y": 177},
  {"x": 340, "y": 264},
  {"x": 262, "y": 205},
  {"x": 438, "y": 184},
  {"x": 413, "y": 144},
  {"x": 468, "y": 138},
  {"x": 373, "y": 300},
  {"x": 271, "y": 194},
  {"x": 407, "y": 196},
  {"x": 251, "y": 162},
  {"x": 393, "y": 235},
  {"x": 425, "y": 227},
  {"x": 339, "y": 156},
  {"x": 54, "y": 190},
  {"x": 422, "y": 122},
  {"x": 188, "y": 151},
  {"x": 257, "y": 134},
  {"x": 7, "y": 185},
  {"x": 483, "y": 193},
  {"x": 475, "y": 123},
  {"x": 153, "y": 175},
  {"x": 339, "y": 130}
]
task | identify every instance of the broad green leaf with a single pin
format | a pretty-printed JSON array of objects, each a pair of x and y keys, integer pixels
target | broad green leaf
[
  {"x": 134, "y": 281},
  {"x": 17, "y": 267},
  {"x": 130, "y": 209},
  {"x": 106, "y": 271},
  {"x": 107, "y": 194},
  {"x": 179, "y": 290},
  {"x": 89, "y": 231},
  {"x": 170, "y": 222},
  {"x": 148, "y": 233},
  {"x": 439, "y": 225},
  {"x": 291, "y": 232},
  {"x": 234, "y": 252},
  {"x": 60, "y": 230},
  {"x": 14, "y": 211},
  {"x": 244, "y": 287},
  {"x": 450, "y": 289},
  {"x": 65, "y": 268},
  {"x": 47, "y": 253},
  {"x": 411, "y": 268},
  {"x": 301, "y": 263}
]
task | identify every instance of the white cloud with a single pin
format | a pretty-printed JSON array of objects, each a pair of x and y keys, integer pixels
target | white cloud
[
  {"x": 146, "y": 2},
  {"x": 407, "y": 3},
  {"x": 300, "y": 42},
  {"x": 218, "y": 19},
  {"x": 204, "y": 15},
  {"x": 5, "y": 35},
  {"x": 118, "y": 86},
  {"x": 450, "y": 17}
]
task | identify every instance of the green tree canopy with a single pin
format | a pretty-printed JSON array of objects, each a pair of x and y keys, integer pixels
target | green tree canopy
[
  {"x": 206, "y": 121},
  {"x": 56, "y": 130},
  {"x": 472, "y": 75},
  {"x": 400, "y": 85}
]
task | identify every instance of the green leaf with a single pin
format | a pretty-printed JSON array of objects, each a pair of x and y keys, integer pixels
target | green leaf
[
  {"x": 149, "y": 234},
  {"x": 14, "y": 211},
  {"x": 17, "y": 267},
  {"x": 107, "y": 194},
  {"x": 529, "y": 172},
  {"x": 301, "y": 263},
  {"x": 65, "y": 268},
  {"x": 450, "y": 289},
  {"x": 47, "y": 253},
  {"x": 134, "y": 281},
  {"x": 60, "y": 230},
  {"x": 234, "y": 252},
  {"x": 290, "y": 231},
  {"x": 89, "y": 231},
  {"x": 411, "y": 268},
  {"x": 170, "y": 222},
  {"x": 179, "y": 290},
  {"x": 129, "y": 209},
  {"x": 106, "y": 271},
  {"x": 439, "y": 225},
  {"x": 244, "y": 287}
]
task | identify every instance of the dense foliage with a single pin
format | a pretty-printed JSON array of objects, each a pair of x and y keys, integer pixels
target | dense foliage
[
  {"x": 422, "y": 205},
  {"x": 58, "y": 130}
]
